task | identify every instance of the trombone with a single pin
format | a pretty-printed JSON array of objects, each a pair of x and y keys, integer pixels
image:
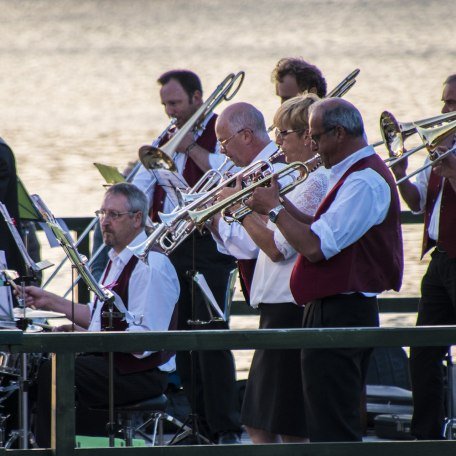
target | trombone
[
  {"x": 160, "y": 157},
  {"x": 394, "y": 133},
  {"x": 93, "y": 222},
  {"x": 431, "y": 138},
  {"x": 199, "y": 217}
]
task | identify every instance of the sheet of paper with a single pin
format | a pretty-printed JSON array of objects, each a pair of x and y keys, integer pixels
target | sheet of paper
[{"x": 200, "y": 280}]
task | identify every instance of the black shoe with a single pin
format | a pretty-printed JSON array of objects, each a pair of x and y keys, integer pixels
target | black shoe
[{"x": 229, "y": 438}]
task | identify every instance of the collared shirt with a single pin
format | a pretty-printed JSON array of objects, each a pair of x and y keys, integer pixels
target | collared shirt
[
  {"x": 421, "y": 182},
  {"x": 152, "y": 292},
  {"x": 146, "y": 180},
  {"x": 271, "y": 280},
  {"x": 234, "y": 240},
  {"x": 362, "y": 201}
]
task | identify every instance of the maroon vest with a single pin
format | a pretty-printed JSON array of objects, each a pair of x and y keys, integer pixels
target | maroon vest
[
  {"x": 447, "y": 221},
  {"x": 126, "y": 363},
  {"x": 192, "y": 173},
  {"x": 373, "y": 263}
]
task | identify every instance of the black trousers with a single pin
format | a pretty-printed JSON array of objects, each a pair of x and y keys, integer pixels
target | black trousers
[
  {"x": 334, "y": 379},
  {"x": 91, "y": 386},
  {"x": 214, "y": 370},
  {"x": 437, "y": 307}
]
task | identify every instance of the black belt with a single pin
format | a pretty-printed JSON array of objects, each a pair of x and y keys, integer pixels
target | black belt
[{"x": 440, "y": 248}]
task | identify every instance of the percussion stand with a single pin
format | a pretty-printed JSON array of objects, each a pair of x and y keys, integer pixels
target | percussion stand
[
  {"x": 24, "y": 434},
  {"x": 450, "y": 420}
]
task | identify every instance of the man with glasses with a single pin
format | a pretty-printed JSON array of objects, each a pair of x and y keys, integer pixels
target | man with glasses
[
  {"x": 181, "y": 95},
  {"x": 433, "y": 192},
  {"x": 149, "y": 293},
  {"x": 294, "y": 76},
  {"x": 349, "y": 252},
  {"x": 243, "y": 138}
]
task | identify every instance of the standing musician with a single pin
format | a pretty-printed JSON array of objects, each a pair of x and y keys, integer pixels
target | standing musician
[
  {"x": 149, "y": 292},
  {"x": 273, "y": 408},
  {"x": 243, "y": 138},
  {"x": 181, "y": 95},
  {"x": 349, "y": 252},
  {"x": 434, "y": 193},
  {"x": 294, "y": 76}
]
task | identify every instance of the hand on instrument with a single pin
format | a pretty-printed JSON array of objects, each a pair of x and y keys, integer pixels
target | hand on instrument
[
  {"x": 228, "y": 191},
  {"x": 264, "y": 199},
  {"x": 400, "y": 169},
  {"x": 447, "y": 166},
  {"x": 186, "y": 142}
]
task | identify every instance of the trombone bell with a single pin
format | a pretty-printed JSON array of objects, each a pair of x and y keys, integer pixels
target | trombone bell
[{"x": 154, "y": 158}]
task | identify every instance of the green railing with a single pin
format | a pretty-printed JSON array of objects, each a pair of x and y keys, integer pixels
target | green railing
[{"x": 65, "y": 345}]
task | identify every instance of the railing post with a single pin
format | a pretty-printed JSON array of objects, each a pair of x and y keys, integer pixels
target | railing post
[{"x": 62, "y": 411}]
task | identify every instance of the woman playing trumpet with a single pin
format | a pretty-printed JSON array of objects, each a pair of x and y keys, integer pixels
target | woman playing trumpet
[{"x": 273, "y": 409}]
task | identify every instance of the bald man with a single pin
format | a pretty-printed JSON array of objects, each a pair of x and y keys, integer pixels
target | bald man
[{"x": 349, "y": 252}]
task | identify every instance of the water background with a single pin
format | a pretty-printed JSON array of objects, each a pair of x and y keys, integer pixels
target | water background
[{"x": 77, "y": 77}]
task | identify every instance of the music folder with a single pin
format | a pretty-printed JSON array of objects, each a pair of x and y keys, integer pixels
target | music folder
[{"x": 110, "y": 173}]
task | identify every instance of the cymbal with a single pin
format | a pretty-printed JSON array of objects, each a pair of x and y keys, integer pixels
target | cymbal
[{"x": 36, "y": 313}]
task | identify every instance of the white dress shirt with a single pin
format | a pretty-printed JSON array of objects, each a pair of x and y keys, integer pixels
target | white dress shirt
[
  {"x": 271, "y": 281},
  {"x": 145, "y": 179},
  {"x": 362, "y": 201},
  {"x": 152, "y": 293},
  {"x": 234, "y": 240}
]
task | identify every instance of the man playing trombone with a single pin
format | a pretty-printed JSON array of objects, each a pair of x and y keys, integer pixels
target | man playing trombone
[
  {"x": 349, "y": 252},
  {"x": 434, "y": 194},
  {"x": 182, "y": 95}
]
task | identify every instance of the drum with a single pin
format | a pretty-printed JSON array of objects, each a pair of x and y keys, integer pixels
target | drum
[{"x": 10, "y": 363}]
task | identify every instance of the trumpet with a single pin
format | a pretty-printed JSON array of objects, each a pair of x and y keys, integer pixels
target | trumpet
[
  {"x": 177, "y": 225},
  {"x": 199, "y": 217},
  {"x": 394, "y": 133},
  {"x": 431, "y": 138}
]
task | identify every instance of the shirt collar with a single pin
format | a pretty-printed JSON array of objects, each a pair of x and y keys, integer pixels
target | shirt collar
[
  {"x": 266, "y": 152},
  {"x": 338, "y": 170},
  {"x": 125, "y": 255}
]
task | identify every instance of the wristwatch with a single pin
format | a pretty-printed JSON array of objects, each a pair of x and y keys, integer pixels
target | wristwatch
[{"x": 274, "y": 213}]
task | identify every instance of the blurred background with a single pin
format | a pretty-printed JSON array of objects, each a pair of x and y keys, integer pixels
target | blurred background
[{"x": 78, "y": 77}]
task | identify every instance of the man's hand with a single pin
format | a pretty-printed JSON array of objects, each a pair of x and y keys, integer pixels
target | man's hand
[
  {"x": 447, "y": 166},
  {"x": 38, "y": 298},
  {"x": 265, "y": 198},
  {"x": 187, "y": 140},
  {"x": 400, "y": 169}
]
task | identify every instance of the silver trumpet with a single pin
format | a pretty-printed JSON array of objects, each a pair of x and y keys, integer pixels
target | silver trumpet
[{"x": 200, "y": 217}]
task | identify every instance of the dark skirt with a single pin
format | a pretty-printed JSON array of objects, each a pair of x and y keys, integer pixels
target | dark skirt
[{"x": 273, "y": 398}]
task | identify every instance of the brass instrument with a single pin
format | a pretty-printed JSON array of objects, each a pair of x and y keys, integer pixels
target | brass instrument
[
  {"x": 431, "y": 138},
  {"x": 177, "y": 225},
  {"x": 199, "y": 217},
  {"x": 344, "y": 86},
  {"x": 394, "y": 133},
  {"x": 157, "y": 157}
]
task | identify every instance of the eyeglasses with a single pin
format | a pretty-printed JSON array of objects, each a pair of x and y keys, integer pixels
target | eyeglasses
[
  {"x": 316, "y": 138},
  {"x": 284, "y": 133},
  {"x": 113, "y": 215},
  {"x": 225, "y": 142}
]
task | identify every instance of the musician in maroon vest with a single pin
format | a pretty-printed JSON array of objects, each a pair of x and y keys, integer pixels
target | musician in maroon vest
[
  {"x": 149, "y": 294},
  {"x": 350, "y": 251},
  {"x": 434, "y": 193},
  {"x": 181, "y": 95}
]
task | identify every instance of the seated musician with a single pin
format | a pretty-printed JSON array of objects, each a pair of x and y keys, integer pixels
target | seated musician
[
  {"x": 149, "y": 292},
  {"x": 273, "y": 408}
]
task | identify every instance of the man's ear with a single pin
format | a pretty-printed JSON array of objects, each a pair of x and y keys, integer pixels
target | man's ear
[{"x": 197, "y": 96}]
